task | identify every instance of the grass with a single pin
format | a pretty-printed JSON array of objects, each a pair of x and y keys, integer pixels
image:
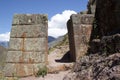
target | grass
[
  {"x": 42, "y": 72},
  {"x": 61, "y": 43}
]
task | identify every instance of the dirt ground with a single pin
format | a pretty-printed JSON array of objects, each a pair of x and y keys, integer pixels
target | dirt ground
[
  {"x": 58, "y": 66},
  {"x": 58, "y": 76}
]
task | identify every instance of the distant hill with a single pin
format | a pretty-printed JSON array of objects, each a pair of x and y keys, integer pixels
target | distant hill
[
  {"x": 62, "y": 40},
  {"x": 50, "y": 39},
  {"x": 4, "y": 43}
]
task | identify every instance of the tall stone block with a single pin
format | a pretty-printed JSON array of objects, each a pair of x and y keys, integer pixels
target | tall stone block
[
  {"x": 79, "y": 32},
  {"x": 28, "y": 45}
]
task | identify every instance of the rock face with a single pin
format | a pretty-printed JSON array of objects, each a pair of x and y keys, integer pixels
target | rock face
[
  {"x": 108, "y": 17},
  {"x": 91, "y": 6},
  {"x": 110, "y": 44},
  {"x": 96, "y": 67},
  {"x": 79, "y": 32},
  {"x": 28, "y": 45},
  {"x": 107, "y": 44},
  {"x": 103, "y": 60}
]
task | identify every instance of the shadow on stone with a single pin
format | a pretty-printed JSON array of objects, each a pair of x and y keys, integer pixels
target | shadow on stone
[{"x": 65, "y": 58}]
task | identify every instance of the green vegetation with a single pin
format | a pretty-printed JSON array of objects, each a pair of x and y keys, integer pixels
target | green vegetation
[
  {"x": 42, "y": 72},
  {"x": 51, "y": 49},
  {"x": 61, "y": 43},
  {"x": 64, "y": 42}
]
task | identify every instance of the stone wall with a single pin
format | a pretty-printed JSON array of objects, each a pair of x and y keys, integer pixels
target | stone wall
[
  {"x": 79, "y": 32},
  {"x": 108, "y": 17},
  {"x": 28, "y": 45}
]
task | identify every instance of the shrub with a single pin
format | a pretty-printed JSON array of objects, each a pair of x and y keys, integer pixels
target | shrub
[{"x": 42, "y": 72}]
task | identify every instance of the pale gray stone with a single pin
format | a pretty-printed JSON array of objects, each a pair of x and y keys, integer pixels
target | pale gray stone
[
  {"x": 35, "y": 44},
  {"x": 28, "y": 45},
  {"x": 79, "y": 32},
  {"x": 24, "y": 70},
  {"x": 30, "y": 19},
  {"x": 82, "y": 19},
  {"x": 9, "y": 70},
  {"x": 25, "y": 57},
  {"x": 14, "y": 56},
  {"x": 19, "y": 69},
  {"x": 16, "y": 44},
  {"x": 29, "y": 31}
]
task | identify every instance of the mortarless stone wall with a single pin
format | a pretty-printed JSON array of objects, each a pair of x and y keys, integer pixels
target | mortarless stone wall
[
  {"x": 28, "y": 45},
  {"x": 79, "y": 32}
]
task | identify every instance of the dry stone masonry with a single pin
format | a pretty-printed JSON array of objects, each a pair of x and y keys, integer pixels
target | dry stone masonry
[
  {"x": 79, "y": 31},
  {"x": 28, "y": 45}
]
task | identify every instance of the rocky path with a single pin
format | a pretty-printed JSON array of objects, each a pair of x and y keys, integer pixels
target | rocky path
[
  {"x": 57, "y": 76},
  {"x": 58, "y": 67}
]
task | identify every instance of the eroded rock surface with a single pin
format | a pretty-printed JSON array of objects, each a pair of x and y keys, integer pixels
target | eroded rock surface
[
  {"x": 107, "y": 44},
  {"x": 96, "y": 67},
  {"x": 108, "y": 17},
  {"x": 103, "y": 59}
]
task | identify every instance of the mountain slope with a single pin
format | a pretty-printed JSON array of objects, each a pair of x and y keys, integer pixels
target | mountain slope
[
  {"x": 4, "y": 43},
  {"x": 50, "y": 39},
  {"x": 3, "y": 52},
  {"x": 62, "y": 40}
]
